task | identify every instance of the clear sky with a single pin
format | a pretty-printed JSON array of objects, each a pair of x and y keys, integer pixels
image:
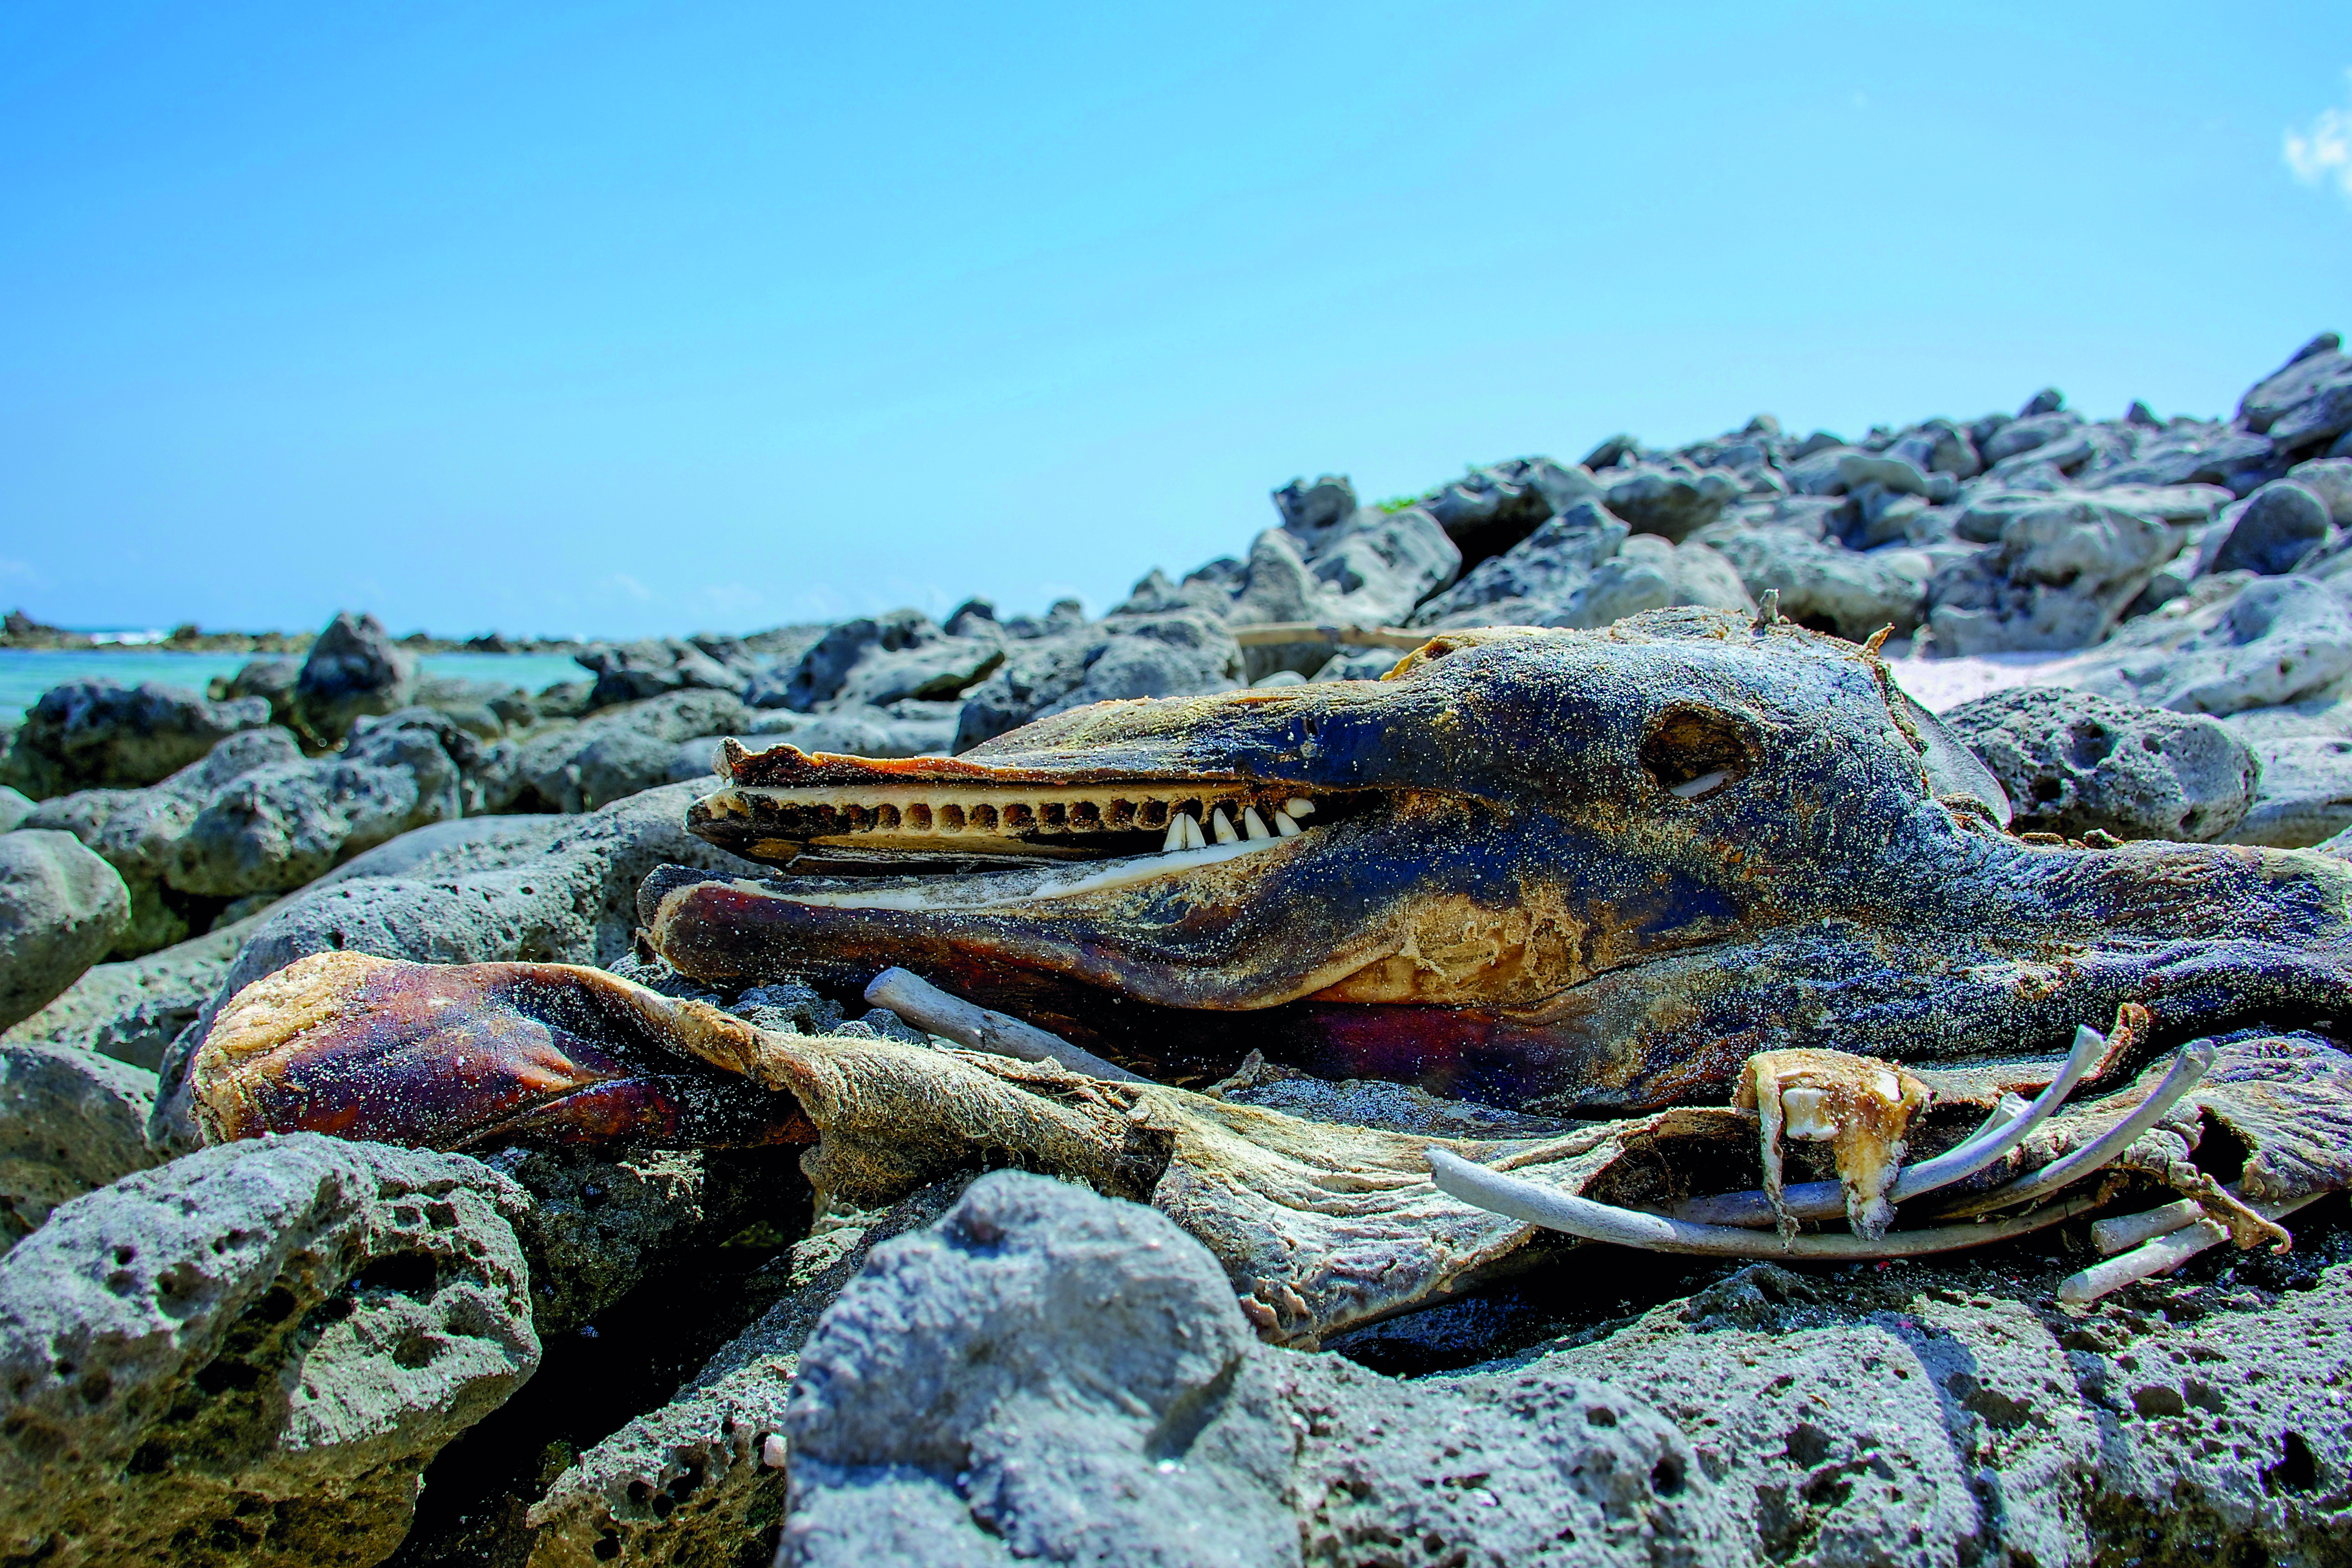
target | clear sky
[{"x": 630, "y": 317}]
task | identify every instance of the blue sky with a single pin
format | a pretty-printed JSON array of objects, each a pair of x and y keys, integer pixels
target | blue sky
[{"x": 628, "y": 319}]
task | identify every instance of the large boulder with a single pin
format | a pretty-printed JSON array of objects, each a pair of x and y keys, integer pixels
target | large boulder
[
  {"x": 2280, "y": 524},
  {"x": 354, "y": 669},
  {"x": 631, "y": 672},
  {"x": 61, "y": 908},
  {"x": 1650, "y": 572},
  {"x": 1489, "y": 510},
  {"x": 2074, "y": 761},
  {"x": 247, "y": 1356},
  {"x": 1550, "y": 565},
  {"x": 2060, "y": 576},
  {"x": 94, "y": 734},
  {"x": 1676, "y": 499},
  {"x": 2305, "y": 795},
  {"x": 2329, "y": 479},
  {"x": 618, "y": 753},
  {"x": 272, "y": 829},
  {"x": 1846, "y": 593},
  {"x": 2272, "y": 641},
  {"x": 825, "y": 670},
  {"x": 1370, "y": 571},
  {"x": 1121, "y": 655},
  {"x": 135, "y": 831},
  {"x": 2305, "y": 403},
  {"x": 70, "y": 1122},
  {"x": 1049, "y": 1375}
]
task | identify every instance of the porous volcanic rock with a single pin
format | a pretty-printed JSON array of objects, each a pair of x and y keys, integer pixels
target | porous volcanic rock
[
  {"x": 2074, "y": 761},
  {"x": 94, "y": 734},
  {"x": 61, "y": 908},
  {"x": 248, "y": 1356}
]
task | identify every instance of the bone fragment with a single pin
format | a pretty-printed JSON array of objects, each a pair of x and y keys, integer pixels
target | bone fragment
[
  {"x": 2126, "y": 1231},
  {"x": 1519, "y": 1198},
  {"x": 1824, "y": 1200},
  {"x": 923, "y": 1003},
  {"x": 2166, "y": 1252},
  {"x": 1299, "y": 805},
  {"x": 2177, "y": 1080},
  {"x": 1691, "y": 789},
  {"x": 1861, "y": 1106}
]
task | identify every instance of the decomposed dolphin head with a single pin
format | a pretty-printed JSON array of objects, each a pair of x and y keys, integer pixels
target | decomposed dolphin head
[{"x": 1569, "y": 870}]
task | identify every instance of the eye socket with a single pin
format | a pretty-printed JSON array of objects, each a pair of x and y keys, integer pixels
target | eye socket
[{"x": 1694, "y": 751}]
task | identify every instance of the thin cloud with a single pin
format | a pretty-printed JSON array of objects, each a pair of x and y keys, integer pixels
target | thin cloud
[{"x": 2321, "y": 154}]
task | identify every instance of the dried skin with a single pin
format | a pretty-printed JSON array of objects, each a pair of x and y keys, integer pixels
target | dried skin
[{"x": 1319, "y": 1225}]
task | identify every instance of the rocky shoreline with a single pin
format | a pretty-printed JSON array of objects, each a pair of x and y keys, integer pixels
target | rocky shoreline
[{"x": 297, "y": 1348}]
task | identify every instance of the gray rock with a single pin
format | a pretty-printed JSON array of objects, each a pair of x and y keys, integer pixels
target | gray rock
[
  {"x": 272, "y": 829},
  {"x": 14, "y": 808},
  {"x": 1649, "y": 572},
  {"x": 1370, "y": 571},
  {"x": 634, "y": 671},
  {"x": 1049, "y": 1375},
  {"x": 1046, "y": 1374},
  {"x": 937, "y": 671},
  {"x": 1551, "y": 564},
  {"x": 131, "y": 1010},
  {"x": 2025, "y": 434},
  {"x": 61, "y": 908},
  {"x": 1847, "y": 593},
  {"x": 2275, "y": 639},
  {"x": 1359, "y": 664},
  {"x": 69, "y": 1123},
  {"x": 93, "y": 734},
  {"x": 1675, "y": 500},
  {"x": 693, "y": 1481},
  {"x": 248, "y": 1356},
  {"x": 1313, "y": 511},
  {"x": 2060, "y": 577},
  {"x": 1946, "y": 1432},
  {"x": 1895, "y": 473},
  {"x": 2281, "y": 523},
  {"x": 2074, "y": 761},
  {"x": 2329, "y": 479},
  {"x": 1118, "y": 657},
  {"x": 569, "y": 897},
  {"x": 826, "y": 668},
  {"x": 620, "y": 752},
  {"x": 2304, "y": 795},
  {"x": 2308, "y": 401},
  {"x": 1488, "y": 510},
  {"x": 135, "y": 831},
  {"x": 354, "y": 669},
  {"x": 271, "y": 680}
]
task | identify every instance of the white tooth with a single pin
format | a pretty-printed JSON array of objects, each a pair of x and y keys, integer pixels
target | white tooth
[
  {"x": 1299, "y": 805},
  {"x": 1224, "y": 829},
  {"x": 1283, "y": 826},
  {"x": 1253, "y": 824},
  {"x": 1175, "y": 839},
  {"x": 1193, "y": 838}
]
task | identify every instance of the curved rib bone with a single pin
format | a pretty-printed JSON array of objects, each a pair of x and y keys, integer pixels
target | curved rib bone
[
  {"x": 1519, "y": 1198},
  {"x": 1826, "y": 1200},
  {"x": 2179, "y": 1080}
]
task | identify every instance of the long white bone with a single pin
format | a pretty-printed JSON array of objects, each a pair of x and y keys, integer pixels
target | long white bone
[
  {"x": 1516, "y": 1197},
  {"x": 920, "y": 1002},
  {"x": 2168, "y": 1251}
]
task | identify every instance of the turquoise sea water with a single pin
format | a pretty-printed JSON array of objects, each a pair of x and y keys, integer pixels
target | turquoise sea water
[{"x": 24, "y": 674}]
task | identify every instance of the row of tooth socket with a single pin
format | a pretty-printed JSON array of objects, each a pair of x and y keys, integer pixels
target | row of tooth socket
[
  {"x": 1184, "y": 832},
  {"x": 809, "y": 812}
]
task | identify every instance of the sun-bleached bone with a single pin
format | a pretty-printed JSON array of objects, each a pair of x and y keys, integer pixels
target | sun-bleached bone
[
  {"x": 1860, "y": 1106},
  {"x": 2163, "y": 1252},
  {"x": 1995, "y": 1138}
]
